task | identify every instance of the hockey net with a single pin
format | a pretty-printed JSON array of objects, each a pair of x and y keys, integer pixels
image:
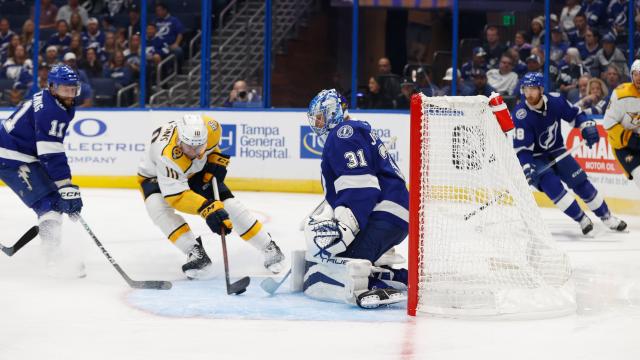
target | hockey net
[{"x": 478, "y": 243}]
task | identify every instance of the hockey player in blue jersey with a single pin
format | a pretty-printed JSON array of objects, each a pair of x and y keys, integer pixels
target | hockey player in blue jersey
[
  {"x": 33, "y": 161},
  {"x": 350, "y": 237},
  {"x": 538, "y": 141}
]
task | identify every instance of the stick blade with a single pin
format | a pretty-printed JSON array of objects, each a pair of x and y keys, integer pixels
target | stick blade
[
  {"x": 239, "y": 286},
  {"x": 151, "y": 284},
  {"x": 24, "y": 240}
]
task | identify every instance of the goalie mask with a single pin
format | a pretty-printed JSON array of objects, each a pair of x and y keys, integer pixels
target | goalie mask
[
  {"x": 192, "y": 135},
  {"x": 326, "y": 111}
]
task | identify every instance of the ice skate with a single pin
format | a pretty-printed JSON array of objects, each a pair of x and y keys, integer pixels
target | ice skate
[
  {"x": 586, "y": 225},
  {"x": 273, "y": 257},
  {"x": 198, "y": 264},
  {"x": 60, "y": 265},
  {"x": 377, "y": 297},
  {"x": 614, "y": 223}
]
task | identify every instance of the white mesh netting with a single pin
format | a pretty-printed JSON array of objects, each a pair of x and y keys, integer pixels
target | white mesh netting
[{"x": 484, "y": 248}]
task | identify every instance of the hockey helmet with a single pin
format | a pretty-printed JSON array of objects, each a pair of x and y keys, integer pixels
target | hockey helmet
[
  {"x": 192, "y": 130},
  {"x": 326, "y": 111},
  {"x": 635, "y": 66},
  {"x": 67, "y": 77},
  {"x": 533, "y": 79}
]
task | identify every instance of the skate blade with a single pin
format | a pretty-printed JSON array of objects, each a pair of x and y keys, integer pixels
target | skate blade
[
  {"x": 373, "y": 302},
  {"x": 200, "y": 274}
]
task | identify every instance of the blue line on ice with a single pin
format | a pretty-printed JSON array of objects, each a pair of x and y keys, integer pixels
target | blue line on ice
[{"x": 209, "y": 299}]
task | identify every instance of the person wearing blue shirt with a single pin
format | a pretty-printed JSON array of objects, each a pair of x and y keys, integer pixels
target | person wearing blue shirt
[
  {"x": 60, "y": 39},
  {"x": 364, "y": 215},
  {"x": 478, "y": 61},
  {"x": 595, "y": 11},
  {"x": 170, "y": 30},
  {"x": 119, "y": 71},
  {"x": 93, "y": 36},
  {"x": 33, "y": 162},
  {"x": 538, "y": 141},
  {"x": 5, "y": 37}
]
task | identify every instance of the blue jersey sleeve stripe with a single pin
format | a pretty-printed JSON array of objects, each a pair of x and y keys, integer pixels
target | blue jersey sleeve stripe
[
  {"x": 393, "y": 208},
  {"x": 345, "y": 182},
  {"x": 49, "y": 147},
  {"x": 17, "y": 156}
]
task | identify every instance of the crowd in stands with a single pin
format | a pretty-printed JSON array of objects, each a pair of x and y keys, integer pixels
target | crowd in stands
[
  {"x": 588, "y": 59},
  {"x": 99, "y": 39}
]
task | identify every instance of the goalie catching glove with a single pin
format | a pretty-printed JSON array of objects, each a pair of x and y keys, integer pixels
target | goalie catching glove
[
  {"x": 216, "y": 216},
  {"x": 330, "y": 237},
  {"x": 216, "y": 166}
]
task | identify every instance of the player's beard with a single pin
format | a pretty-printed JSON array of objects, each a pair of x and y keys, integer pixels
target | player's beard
[{"x": 535, "y": 101}]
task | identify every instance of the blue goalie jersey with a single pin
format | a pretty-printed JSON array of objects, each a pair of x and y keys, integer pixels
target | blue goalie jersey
[
  {"x": 35, "y": 132},
  {"x": 359, "y": 173},
  {"x": 538, "y": 132}
]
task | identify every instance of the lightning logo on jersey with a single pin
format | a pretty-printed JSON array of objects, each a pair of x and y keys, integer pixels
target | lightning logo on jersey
[{"x": 23, "y": 173}]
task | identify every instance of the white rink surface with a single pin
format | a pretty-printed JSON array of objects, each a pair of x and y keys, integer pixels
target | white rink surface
[{"x": 98, "y": 317}]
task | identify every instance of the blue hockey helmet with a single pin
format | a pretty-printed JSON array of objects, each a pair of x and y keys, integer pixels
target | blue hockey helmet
[
  {"x": 533, "y": 79},
  {"x": 64, "y": 75},
  {"x": 326, "y": 110}
]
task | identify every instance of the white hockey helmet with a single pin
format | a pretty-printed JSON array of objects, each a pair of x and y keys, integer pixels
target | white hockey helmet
[
  {"x": 635, "y": 66},
  {"x": 192, "y": 130}
]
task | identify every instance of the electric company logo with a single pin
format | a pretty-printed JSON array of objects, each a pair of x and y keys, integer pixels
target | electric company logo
[
  {"x": 311, "y": 145},
  {"x": 228, "y": 139},
  {"x": 597, "y": 159}
]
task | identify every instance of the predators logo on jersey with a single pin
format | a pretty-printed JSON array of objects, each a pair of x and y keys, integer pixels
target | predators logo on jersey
[{"x": 176, "y": 153}]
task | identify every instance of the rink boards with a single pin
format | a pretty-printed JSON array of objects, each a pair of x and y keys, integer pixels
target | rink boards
[{"x": 276, "y": 151}]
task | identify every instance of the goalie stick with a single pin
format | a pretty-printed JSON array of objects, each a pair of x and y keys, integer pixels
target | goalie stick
[
  {"x": 239, "y": 286},
  {"x": 270, "y": 285},
  {"x": 24, "y": 240},
  {"x": 504, "y": 193},
  {"x": 146, "y": 284}
]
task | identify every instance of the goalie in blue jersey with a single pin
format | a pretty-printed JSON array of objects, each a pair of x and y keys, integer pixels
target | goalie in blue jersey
[
  {"x": 538, "y": 141},
  {"x": 351, "y": 235},
  {"x": 33, "y": 162}
]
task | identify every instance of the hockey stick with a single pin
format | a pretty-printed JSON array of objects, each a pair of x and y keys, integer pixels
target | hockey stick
[
  {"x": 239, "y": 286},
  {"x": 148, "y": 284},
  {"x": 24, "y": 240},
  {"x": 562, "y": 156},
  {"x": 271, "y": 286}
]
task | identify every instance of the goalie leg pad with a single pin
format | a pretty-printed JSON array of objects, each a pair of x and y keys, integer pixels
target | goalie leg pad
[
  {"x": 172, "y": 225},
  {"x": 337, "y": 282},
  {"x": 246, "y": 224}
]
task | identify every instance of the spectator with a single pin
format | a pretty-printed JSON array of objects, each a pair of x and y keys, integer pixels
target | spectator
[
  {"x": 43, "y": 72},
  {"x": 558, "y": 45},
  {"x": 595, "y": 11},
  {"x": 75, "y": 24},
  {"x": 571, "y": 68},
  {"x": 477, "y": 61},
  {"x": 613, "y": 77},
  {"x": 117, "y": 69},
  {"x": 51, "y": 56},
  {"x": 581, "y": 90},
  {"x": 64, "y": 13},
  {"x": 493, "y": 46},
  {"x": 107, "y": 24},
  {"x": 75, "y": 47},
  {"x": 521, "y": 44},
  {"x": 537, "y": 31},
  {"x": 503, "y": 79},
  {"x": 568, "y": 14},
  {"x": 423, "y": 83},
  {"x": 133, "y": 26},
  {"x": 609, "y": 55},
  {"x": 5, "y": 37},
  {"x": 389, "y": 82},
  {"x": 85, "y": 99},
  {"x": 576, "y": 36},
  {"x": 157, "y": 49},
  {"x": 93, "y": 37},
  {"x": 60, "y": 39},
  {"x": 462, "y": 89},
  {"x": 14, "y": 65},
  {"x": 48, "y": 13},
  {"x": 553, "y": 66},
  {"x": 91, "y": 64},
  {"x": 375, "y": 98},
  {"x": 534, "y": 64},
  {"x": 108, "y": 51},
  {"x": 10, "y": 49},
  {"x": 241, "y": 96},
  {"x": 590, "y": 47},
  {"x": 132, "y": 54},
  {"x": 595, "y": 103},
  {"x": 480, "y": 85},
  {"x": 71, "y": 60},
  {"x": 407, "y": 88},
  {"x": 26, "y": 37},
  {"x": 170, "y": 30},
  {"x": 617, "y": 14},
  {"x": 121, "y": 39},
  {"x": 519, "y": 67}
]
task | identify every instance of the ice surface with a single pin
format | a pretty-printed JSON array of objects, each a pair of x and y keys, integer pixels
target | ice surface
[{"x": 98, "y": 317}]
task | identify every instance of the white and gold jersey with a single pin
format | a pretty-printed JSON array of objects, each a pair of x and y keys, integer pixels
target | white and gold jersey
[
  {"x": 165, "y": 161},
  {"x": 622, "y": 117}
]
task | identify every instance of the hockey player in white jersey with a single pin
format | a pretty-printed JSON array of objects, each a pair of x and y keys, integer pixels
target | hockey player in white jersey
[
  {"x": 622, "y": 121},
  {"x": 176, "y": 174}
]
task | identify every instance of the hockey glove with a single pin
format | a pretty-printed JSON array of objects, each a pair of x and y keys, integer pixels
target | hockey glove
[
  {"x": 327, "y": 238},
  {"x": 590, "y": 132},
  {"x": 216, "y": 216},
  {"x": 634, "y": 142},
  {"x": 533, "y": 178},
  {"x": 216, "y": 166},
  {"x": 70, "y": 201}
]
